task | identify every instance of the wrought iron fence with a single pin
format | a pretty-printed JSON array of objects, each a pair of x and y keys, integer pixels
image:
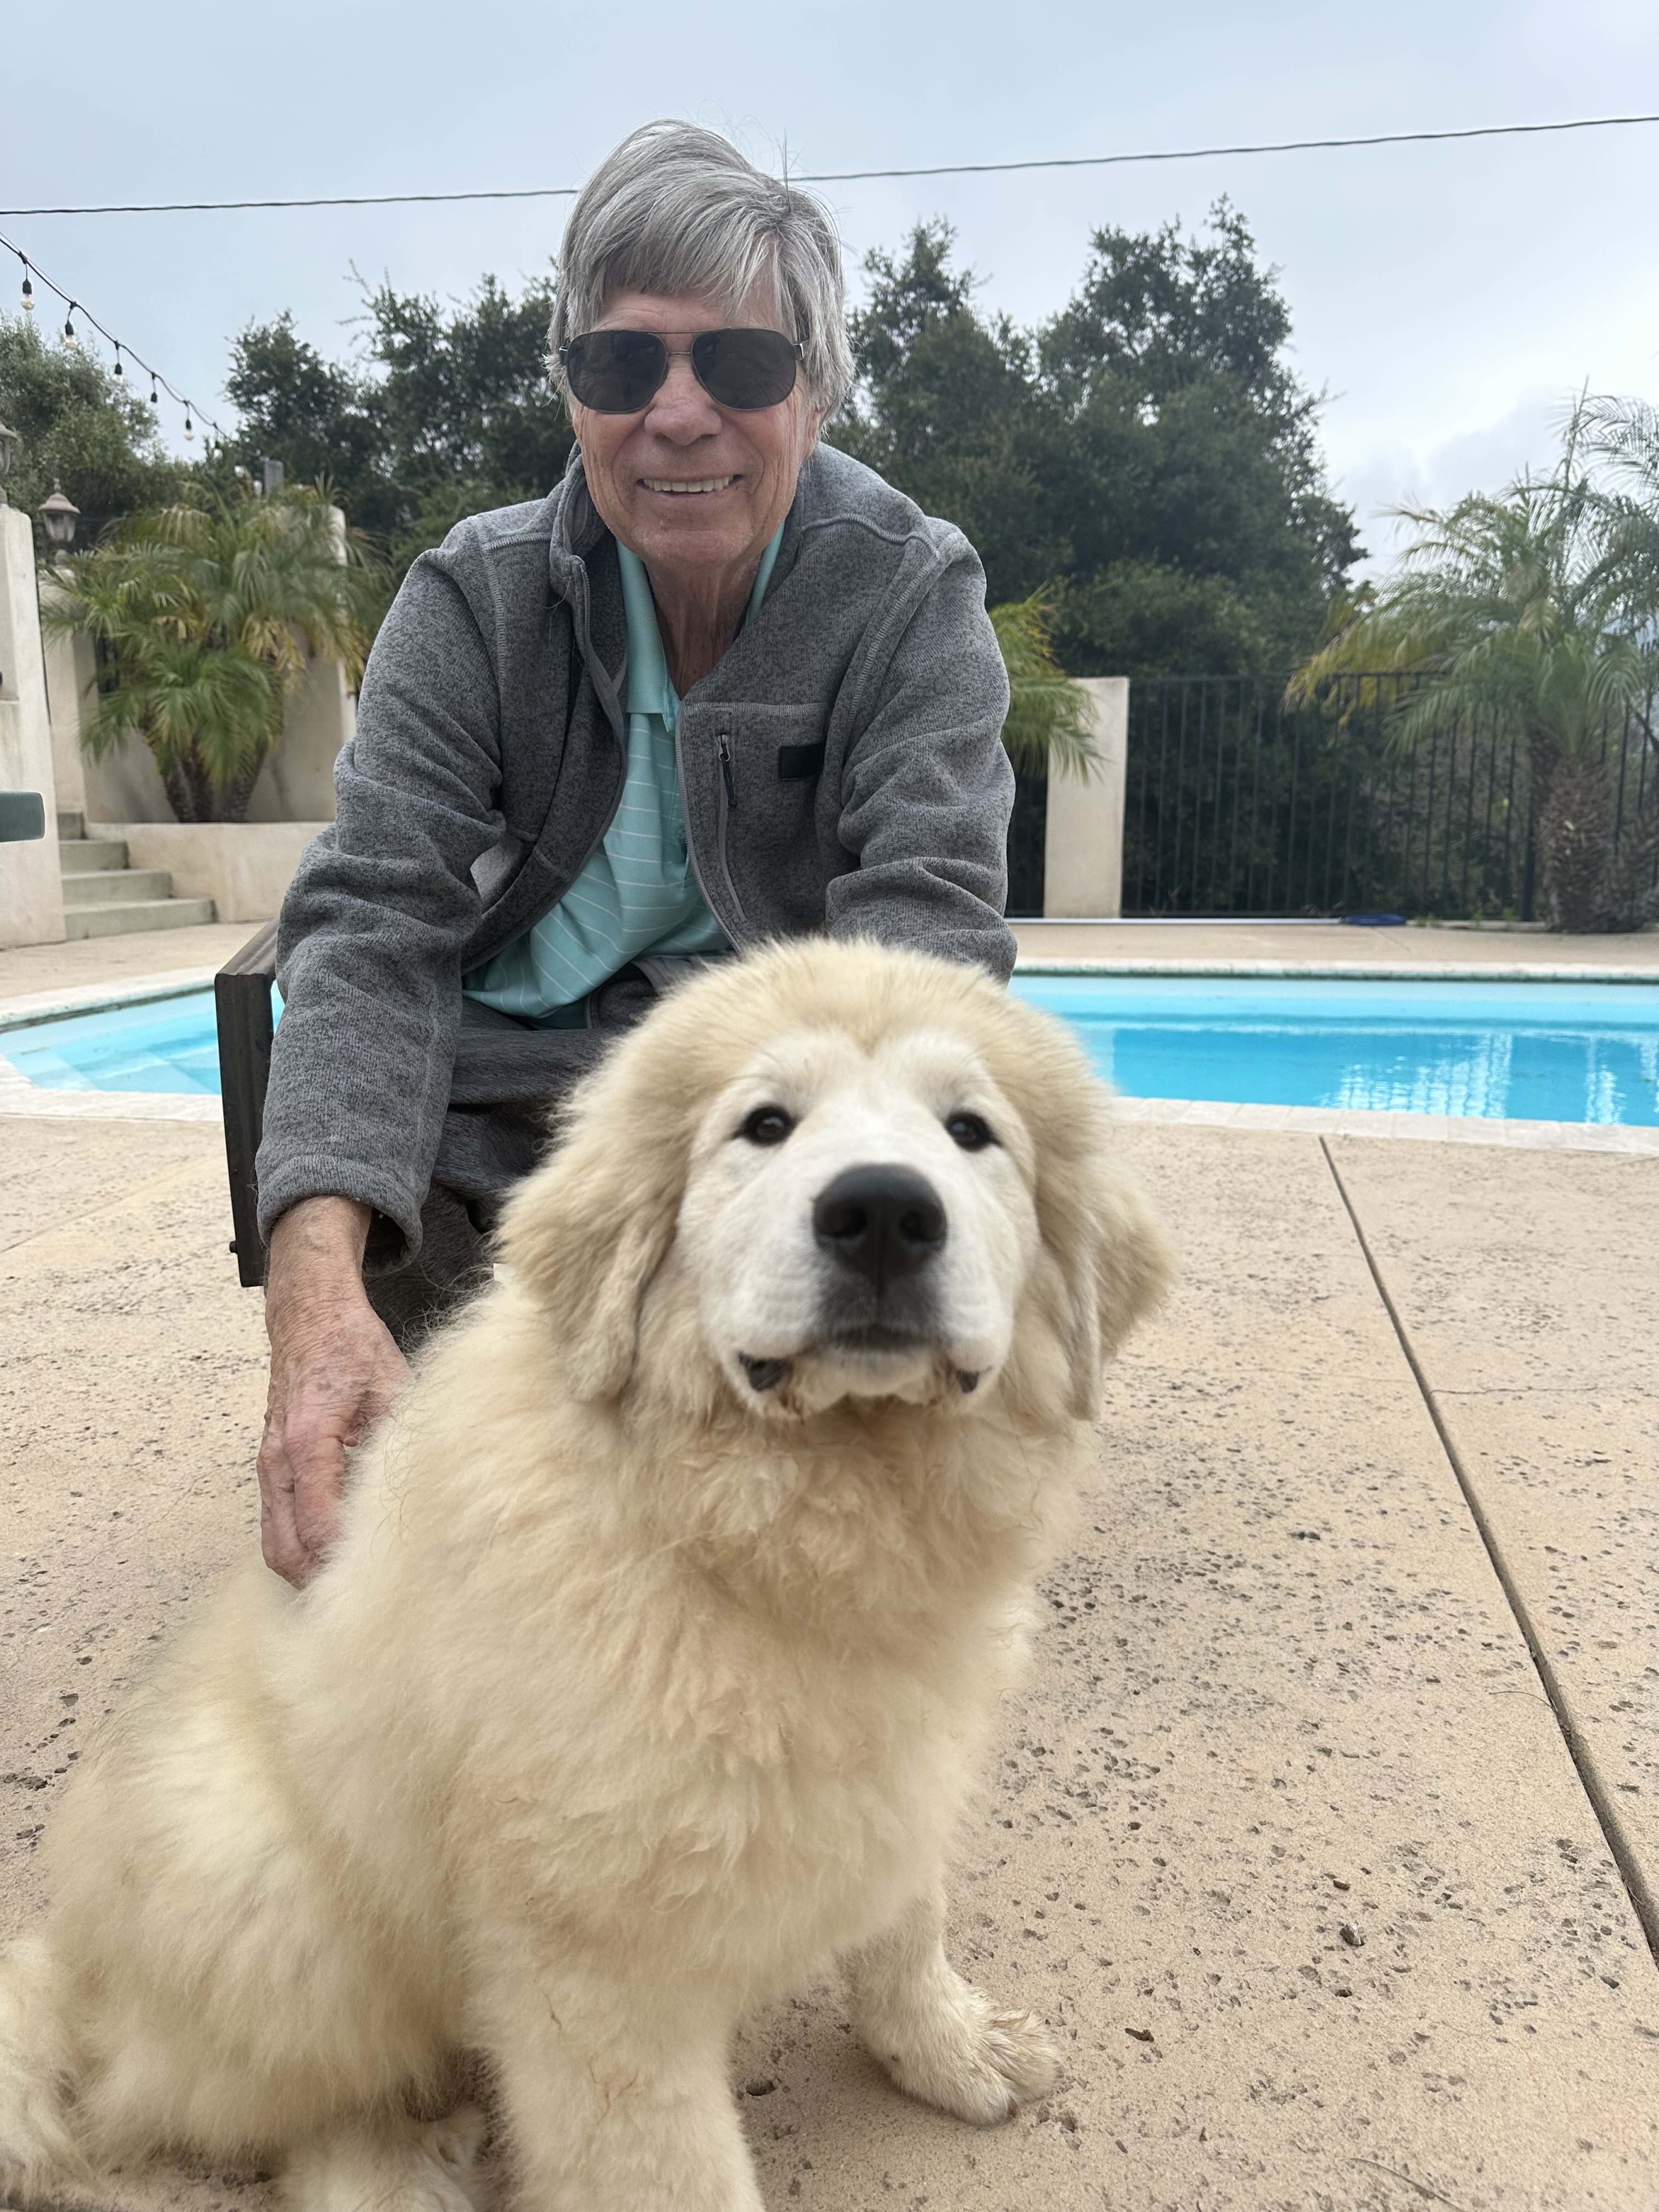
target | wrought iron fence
[{"x": 1238, "y": 802}]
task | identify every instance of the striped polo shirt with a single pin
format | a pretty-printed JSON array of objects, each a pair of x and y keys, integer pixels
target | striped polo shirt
[{"x": 638, "y": 893}]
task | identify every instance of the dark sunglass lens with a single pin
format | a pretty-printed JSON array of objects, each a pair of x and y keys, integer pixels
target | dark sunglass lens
[
  {"x": 616, "y": 372},
  {"x": 745, "y": 368}
]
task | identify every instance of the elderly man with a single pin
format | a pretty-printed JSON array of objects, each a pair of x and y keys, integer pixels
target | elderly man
[{"x": 722, "y": 684}]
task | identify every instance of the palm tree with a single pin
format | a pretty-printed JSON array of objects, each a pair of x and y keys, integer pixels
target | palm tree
[
  {"x": 1047, "y": 728},
  {"x": 205, "y": 616},
  {"x": 1539, "y": 605}
]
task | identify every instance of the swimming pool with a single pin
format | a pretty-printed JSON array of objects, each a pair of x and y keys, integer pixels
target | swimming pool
[
  {"x": 1545, "y": 1052},
  {"x": 1532, "y": 1052}
]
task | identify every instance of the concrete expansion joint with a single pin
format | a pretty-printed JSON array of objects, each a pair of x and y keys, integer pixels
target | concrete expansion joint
[{"x": 1644, "y": 1902}]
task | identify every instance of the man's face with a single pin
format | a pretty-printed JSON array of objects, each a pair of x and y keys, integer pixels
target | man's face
[{"x": 697, "y": 489}]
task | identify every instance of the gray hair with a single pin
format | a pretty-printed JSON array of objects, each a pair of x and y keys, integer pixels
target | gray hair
[{"x": 676, "y": 208}]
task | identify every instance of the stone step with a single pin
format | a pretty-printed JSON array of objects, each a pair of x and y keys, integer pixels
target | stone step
[
  {"x": 90, "y": 856},
  {"x": 116, "y": 887},
  {"x": 142, "y": 913},
  {"x": 71, "y": 825}
]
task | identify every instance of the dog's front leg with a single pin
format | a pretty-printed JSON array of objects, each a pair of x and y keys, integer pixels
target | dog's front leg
[
  {"x": 938, "y": 2037},
  {"x": 616, "y": 2100}
]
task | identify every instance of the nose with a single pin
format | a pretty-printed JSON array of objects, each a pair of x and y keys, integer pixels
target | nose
[
  {"x": 680, "y": 410},
  {"x": 884, "y": 1221}
]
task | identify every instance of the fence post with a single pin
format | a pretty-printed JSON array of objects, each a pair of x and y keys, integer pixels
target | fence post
[
  {"x": 1082, "y": 842},
  {"x": 30, "y": 885}
]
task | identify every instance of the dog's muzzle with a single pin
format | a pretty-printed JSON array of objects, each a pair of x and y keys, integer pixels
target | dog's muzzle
[{"x": 880, "y": 1226}]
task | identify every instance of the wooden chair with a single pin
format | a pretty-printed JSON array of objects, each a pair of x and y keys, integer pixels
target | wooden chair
[{"x": 241, "y": 998}]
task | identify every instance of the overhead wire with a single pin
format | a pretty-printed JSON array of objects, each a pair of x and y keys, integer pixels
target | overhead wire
[
  {"x": 862, "y": 176},
  {"x": 814, "y": 177}
]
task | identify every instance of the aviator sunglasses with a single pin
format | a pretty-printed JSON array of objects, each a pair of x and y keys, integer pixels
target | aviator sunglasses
[{"x": 620, "y": 372}]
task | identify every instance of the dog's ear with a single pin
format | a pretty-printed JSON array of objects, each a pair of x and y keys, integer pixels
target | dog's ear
[
  {"x": 587, "y": 1232},
  {"x": 1114, "y": 1262}
]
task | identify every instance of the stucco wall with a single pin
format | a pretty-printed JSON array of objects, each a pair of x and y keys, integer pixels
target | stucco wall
[
  {"x": 31, "y": 889},
  {"x": 244, "y": 867}
]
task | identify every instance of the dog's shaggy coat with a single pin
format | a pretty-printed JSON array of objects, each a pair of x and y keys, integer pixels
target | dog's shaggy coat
[{"x": 666, "y": 1626}]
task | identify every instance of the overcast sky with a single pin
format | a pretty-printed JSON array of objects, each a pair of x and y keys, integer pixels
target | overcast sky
[{"x": 1448, "y": 298}]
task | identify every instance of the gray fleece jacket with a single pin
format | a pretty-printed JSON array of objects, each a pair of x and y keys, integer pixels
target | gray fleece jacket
[{"x": 842, "y": 769}]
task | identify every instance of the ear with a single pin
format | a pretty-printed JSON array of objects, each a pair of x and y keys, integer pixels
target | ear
[
  {"x": 587, "y": 1232},
  {"x": 1114, "y": 1261}
]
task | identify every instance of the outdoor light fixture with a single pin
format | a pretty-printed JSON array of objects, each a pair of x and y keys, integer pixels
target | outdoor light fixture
[
  {"x": 8, "y": 447},
  {"x": 59, "y": 516}
]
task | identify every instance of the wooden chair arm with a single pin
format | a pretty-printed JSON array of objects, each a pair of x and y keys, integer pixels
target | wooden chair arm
[{"x": 241, "y": 998}]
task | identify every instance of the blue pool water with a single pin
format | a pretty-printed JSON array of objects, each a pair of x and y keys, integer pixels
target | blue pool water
[
  {"x": 1531, "y": 1052},
  {"x": 1542, "y": 1052}
]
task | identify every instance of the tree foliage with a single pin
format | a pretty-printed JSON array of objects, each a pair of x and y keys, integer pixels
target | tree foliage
[
  {"x": 205, "y": 615},
  {"x": 1540, "y": 605},
  {"x": 1148, "y": 454},
  {"x": 440, "y": 413},
  {"x": 79, "y": 426}
]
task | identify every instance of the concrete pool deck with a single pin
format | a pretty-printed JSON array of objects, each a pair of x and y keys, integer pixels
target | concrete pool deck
[{"x": 1325, "y": 1831}]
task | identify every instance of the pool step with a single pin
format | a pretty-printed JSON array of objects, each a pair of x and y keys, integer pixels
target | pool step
[{"x": 104, "y": 898}]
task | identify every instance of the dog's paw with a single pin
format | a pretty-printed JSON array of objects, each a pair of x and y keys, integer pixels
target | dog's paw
[
  {"x": 972, "y": 2061},
  {"x": 396, "y": 2165}
]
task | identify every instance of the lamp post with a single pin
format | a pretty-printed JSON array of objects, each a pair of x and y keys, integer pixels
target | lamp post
[
  {"x": 8, "y": 447},
  {"x": 59, "y": 516}
]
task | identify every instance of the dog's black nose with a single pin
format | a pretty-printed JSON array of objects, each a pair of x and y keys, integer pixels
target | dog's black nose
[{"x": 884, "y": 1221}]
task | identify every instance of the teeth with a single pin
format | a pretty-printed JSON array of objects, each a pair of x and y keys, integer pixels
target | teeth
[{"x": 686, "y": 484}]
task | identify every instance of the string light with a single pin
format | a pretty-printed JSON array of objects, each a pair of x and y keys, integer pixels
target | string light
[{"x": 158, "y": 383}]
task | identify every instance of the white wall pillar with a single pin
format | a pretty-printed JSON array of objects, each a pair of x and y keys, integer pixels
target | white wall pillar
[
  {"x": 1083, "y": 844},
  {"x": 296, "y": 784},
  {"x": 31, "y": 885}
]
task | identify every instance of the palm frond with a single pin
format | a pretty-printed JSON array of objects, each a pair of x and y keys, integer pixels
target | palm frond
[{"x": 1047, "y": 728}]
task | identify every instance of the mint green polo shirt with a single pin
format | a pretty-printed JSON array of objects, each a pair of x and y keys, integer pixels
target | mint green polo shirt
[{"x": 638, "y": 893}]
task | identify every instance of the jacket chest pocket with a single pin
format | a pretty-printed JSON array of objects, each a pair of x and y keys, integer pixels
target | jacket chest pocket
[{"x": 773, "y": 794}]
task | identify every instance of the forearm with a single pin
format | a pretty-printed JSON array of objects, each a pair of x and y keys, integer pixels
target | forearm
[{"x": 316, "y": 1246}]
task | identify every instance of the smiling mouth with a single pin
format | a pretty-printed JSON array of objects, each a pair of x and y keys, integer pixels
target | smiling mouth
[{"x": 683, "y": 486}]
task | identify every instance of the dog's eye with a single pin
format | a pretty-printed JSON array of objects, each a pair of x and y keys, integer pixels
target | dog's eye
[
  {"x": 766, "y": 1124},
  {"x": 969, "y": 1131}
]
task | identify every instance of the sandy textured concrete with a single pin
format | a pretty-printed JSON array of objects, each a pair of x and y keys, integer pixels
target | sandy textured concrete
[
  {"x": 28, "y": 968},
  {"x": 1178, "y": 942},
  {"x": 1529, "y": 1291},
  {"x": 1278, "y": 1694}
]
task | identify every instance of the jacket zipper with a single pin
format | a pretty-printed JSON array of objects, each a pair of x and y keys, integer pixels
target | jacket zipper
[{"x": 728, "y": 801}]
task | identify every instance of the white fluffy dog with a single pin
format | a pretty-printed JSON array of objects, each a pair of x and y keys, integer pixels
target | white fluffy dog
[{"x": 668, "y": 1621}]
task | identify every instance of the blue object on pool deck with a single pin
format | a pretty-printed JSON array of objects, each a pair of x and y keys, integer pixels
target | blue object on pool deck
[
  {"x": 1536, "y": 1052},
  {"x": 1375, "y": 921},
  {"x": 1532, "y": 1052}
]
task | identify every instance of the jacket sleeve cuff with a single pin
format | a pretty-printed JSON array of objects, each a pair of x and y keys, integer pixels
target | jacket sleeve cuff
[{"x": 392, "y": 1243}]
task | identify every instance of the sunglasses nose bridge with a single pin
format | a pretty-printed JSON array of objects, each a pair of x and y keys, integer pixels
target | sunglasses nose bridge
[{"x": 682, "y": 398}]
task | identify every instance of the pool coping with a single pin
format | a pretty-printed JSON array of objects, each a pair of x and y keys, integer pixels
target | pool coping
[
  {"x": 1354, "y": 971},
  {"x": 19, "y": 1097},
  {"x": 32, "y": 1007}
]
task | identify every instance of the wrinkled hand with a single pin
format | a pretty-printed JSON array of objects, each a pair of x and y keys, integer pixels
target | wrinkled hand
[{"x": 334, "y": 1372}]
